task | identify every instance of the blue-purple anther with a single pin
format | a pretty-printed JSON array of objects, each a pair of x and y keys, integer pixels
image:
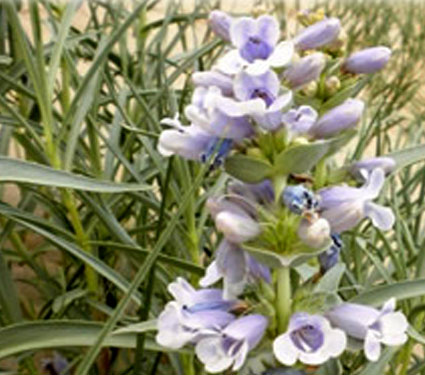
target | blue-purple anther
[
  {"x": 309, "y": 339},
  {"x": 191, "y": 315},
  {"x": 344, "y": 116},
  {"x": 318, "y": 35},
  {"x": 306, "y": 70},
  {"x": 230, "y": 347},
  {"x": 345, "y": 206},
  {"x": 330, "y": 257},
  {"x": 369, "y": 60},
  {"x": 374, "y": 327},
  {"x": 299, "y": 199}
]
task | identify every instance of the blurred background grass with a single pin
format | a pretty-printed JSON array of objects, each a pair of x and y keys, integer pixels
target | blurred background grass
[{"x": 114, "y": 103}]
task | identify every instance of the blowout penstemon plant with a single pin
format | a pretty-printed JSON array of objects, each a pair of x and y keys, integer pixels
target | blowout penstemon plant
[{"x": 271, "y": 114}]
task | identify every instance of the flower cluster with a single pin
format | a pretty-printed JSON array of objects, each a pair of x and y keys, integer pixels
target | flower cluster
[{"x": 272, "y": 113}]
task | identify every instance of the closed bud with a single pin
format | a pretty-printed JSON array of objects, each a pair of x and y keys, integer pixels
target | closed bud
[
  {"x": 213, "y": 78},
  {"x": 220, "y": 23},
  {"x": 305, "y": 70},
  {"x": 369, "y": 60},
  {"x": 342, "y": 117},
  {"x": 237, "y": 228},
  {"x": 318, "y": 35},
  {"x": 316, "y": 234},
  {"x": 332, "y": 84},
  {"x": 310, "y": 90}
]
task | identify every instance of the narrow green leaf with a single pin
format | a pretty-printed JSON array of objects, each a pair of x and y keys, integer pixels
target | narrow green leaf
[
  {"x": 14, "y": 170},
  {"x": 19, "y": 338},
  {"x": 401, "y": 290}
]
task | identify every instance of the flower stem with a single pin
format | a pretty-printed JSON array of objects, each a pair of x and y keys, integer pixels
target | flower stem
[{"x": 283, "y": 298}]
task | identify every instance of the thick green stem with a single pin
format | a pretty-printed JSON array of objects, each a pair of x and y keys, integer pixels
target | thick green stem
[{"x": 283, "y": 298}]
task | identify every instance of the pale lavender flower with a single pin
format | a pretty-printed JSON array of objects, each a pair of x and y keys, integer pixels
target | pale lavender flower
[
  {"x": 255, "y": 38},
  {"x": 235, "y": 219},
  {"x": 230, "y": 347},
  {"x": 344, "y": 116},
  {"x": 299, "y": 120},
  {"x": 236, "y": 267},
  {"x": 220, "y": 23},
  {"x": 387, "y": 164},
  {"x": 266, "y": 87},
  {"x": 310, "y": 339},
  {"x": 190, "y": 142},
  {"x": 375, "y": 327},
  {"x": 344, "y": 206},
  {"x": 221, "y": 116},
  {"x": 306, "y": 70},
  {"x": 214, "y": 78},
  {"x": 191, "y": 315},
  {"x": 369, "y": 60},
  {"x": 318, "y": 35},
  {"x": 56, "y": 365}
]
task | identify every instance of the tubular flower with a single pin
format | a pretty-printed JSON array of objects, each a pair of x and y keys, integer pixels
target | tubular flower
[
  {"x": 374, "y": 327},
  {"x": 230, "y": 346},
  {"x": 310, "y": 339},
  {"x": 344, "y": 207}
]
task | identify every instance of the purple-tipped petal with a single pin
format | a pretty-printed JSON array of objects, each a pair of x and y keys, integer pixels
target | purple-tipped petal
[
  {"x": 250, "y": 328},
  {"x": 318, "y": 34},
  {"x": 367, "y": 61},
  {"x": 387, "y": 164},
  {"x": 220, "y": 23},
  {"x": 300, "y": 120},
  {"x": 213, "y": 78}
]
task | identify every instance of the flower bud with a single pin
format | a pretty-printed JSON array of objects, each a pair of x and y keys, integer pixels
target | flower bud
[
  {"x": 369, "y": 60},
  {"x": 305, "y": 70},
  {"x": 315, "y": 234},
  {"x": 237, "y": 228},
  {"x": 220, "y": 23},
  {"x": 332, "y": 85},
  {"x": 342, "y": 117},
  {"x": 318, "y": 35},
  {"x": 385, "y": 163}
]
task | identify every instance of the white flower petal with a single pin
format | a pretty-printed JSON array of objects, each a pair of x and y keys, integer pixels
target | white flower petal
[
  {"x": 210, "y": 353},
  {"x": 389, "y": 306},
  {"x": 372, "y": 346},
  {"x": 393, "y": 324},
  {"x": 241, "y": 356},
  {"x": 284, "y": 350},
  {"x": 336, "y": 341},
  {"x": 231, "y": 63},
  {"x": 282, "y": 55},
  {"x": 212, "y": 275},
  {"x": 374, "y": 184},
  {"x": 394, "y": 340},
  {"x": 382, "y": 217}
]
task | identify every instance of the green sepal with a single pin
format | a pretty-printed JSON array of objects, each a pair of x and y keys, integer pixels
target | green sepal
[{"x": 248, "y": 169}]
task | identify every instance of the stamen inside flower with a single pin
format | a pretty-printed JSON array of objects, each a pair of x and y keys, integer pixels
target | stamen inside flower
[{"x": 308, "y": 338}]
